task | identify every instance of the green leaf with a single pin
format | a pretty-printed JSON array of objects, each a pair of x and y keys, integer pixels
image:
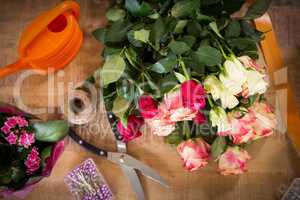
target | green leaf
[
  {"x": 218, "y": 147},
  {"x": 174, "y": 138},
  {"x": 214, "y": 27},
  {"x": 242, "y": 44},
  {"x": 51, "y": 131},
  {"x": 142, "y": 35},
  {"x": 137, "y": 9},
  {"x": 233, "y": 29},
  {"x": 115, "y": 14},
  {"x": 204, "y": 18},
  {"x": 194, "y": 28},
  {"x": 100, "y": 34},
  {"x": 132, "y": 40},
  {"x": 257, "y": 9},
  {"x": 185, "y": 8},
  {"x": 46, "y": 153},
  {"x": 181, "y": 78},
  {"x": 120, "y": 106},
  {"x": 167, "y": 83},
  {"x": 112, "y": 70},
  {"x": 117, "y": 32},
  {"x": 126, "y": 90},
  {"x": 250, "y": 31},
  {"x": 209, "y": 56},
  {"x": 179, "y": 47},
  {"x": 189, "y": 40},
  {"x": 181, "y": 24},
  {"x": 164, "y": 65}
]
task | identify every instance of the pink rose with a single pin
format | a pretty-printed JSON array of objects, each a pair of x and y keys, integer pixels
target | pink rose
[
  {"x": 132, "y": 130},
  {"x": 265, "y": 120},
  {"x": 195, "y": 154},
  {"x": 193, "y": 95},
  {"x": 250, "y": 63},
  {"x": 160, "y": 127},
  {"x": 174, "y": 108},
  {"x": 200, "y": 118},
  {"x": 233, "y": 161},
  {"x": 147, "y": 107}
]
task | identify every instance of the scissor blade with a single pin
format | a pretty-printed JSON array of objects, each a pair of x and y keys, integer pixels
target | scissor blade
[
  {"x": 125, "y": 159},
  {"x": 134, "y": 181}
]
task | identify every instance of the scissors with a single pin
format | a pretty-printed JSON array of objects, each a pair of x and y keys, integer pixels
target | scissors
[{"x": 128, "y": 164}]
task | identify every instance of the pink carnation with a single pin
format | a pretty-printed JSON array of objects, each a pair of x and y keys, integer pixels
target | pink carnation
[
  {"x": 233, "y": 161},
  {"x": 26, "y": 139},
  {"x": 195, "y": 154},
  {"x": 33, "y": 161},
  {"x": 12, "y": 138}
]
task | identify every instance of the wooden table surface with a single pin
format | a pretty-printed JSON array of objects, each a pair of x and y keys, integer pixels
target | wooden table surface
[{"x": 273, "y": 166}]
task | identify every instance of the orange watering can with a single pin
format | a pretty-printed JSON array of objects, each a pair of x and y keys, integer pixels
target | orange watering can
[{"x": 51, "y": 41}]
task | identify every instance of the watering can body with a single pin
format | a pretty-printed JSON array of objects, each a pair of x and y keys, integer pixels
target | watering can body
[{"x": 52, "y": 40}]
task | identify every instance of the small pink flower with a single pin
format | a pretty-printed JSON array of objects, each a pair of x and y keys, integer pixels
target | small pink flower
[
  {"x": 26, "y": 139},
  {"x": 11, "y": 121},
  {"x": 195, "y": 154},
  {"x": 12, "y": 138},
  {"x": 233, "y": 161},
  {"x": 132, "y": 130},
  {"x": 21, "y": 122},
  {"x": 33, "y": 161},
  {"x": 5, "y": 129},
  {"x": 147, "y": 107},
  {"x": 193, "y": 95}
]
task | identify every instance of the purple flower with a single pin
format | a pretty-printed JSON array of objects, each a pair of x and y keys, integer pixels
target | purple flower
[
  {"x": 26, "y": 139},
  {"x": 33, "y": 161},
  {"x": 11, "y": 138},
  {"x": 5, "y": 129}
]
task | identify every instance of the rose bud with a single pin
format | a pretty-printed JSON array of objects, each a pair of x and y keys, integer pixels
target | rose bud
[
  {"x": 233, "y": 161},
  {"x": 132, "y": 130},
  {"x": 147, "y": 107},
  {"x": 195, "y": 154},
  {"x": 193, "y": 95}
]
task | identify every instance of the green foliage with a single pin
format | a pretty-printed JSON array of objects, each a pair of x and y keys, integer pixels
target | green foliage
[{"x": 51, "y": 131}]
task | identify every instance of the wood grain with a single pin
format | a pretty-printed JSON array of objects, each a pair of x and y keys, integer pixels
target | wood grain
[{"x": 273, "y": 166}]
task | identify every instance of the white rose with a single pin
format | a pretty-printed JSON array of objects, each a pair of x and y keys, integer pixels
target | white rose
[
  {"x": 255, "y": 82},
  {"x": 218, "y": 91},
  {"x": 219, "y": 119},
  {"x": 233, "y": 76}
]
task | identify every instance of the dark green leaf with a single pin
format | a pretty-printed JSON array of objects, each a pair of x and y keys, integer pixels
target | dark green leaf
[
  {"x": 233, "y": 29},
  {"x": 193, "y": 63},
  {"x": 209, "y": 56},
  {"x": 242, "y": 44},
  {"x": 126, "y": 90},
  {"x": 17, "y": 173},
  {"x": 218, "y": 147},
  {"x": 179, "y": 47},
  {"x": 194, "y": 29},
  {"x": 137, "y": 9},
  {"x": 46, "y": 153},
  {"x": 185, "y": 8},
  {"x": 251, "y": 32},
  {"x": 164, "y": 65},
  {"x": 180, "y": 26},
  {"x": 51, "y": 131},
  {"x": 167, "y": 83},
  {"x": 100, "y": 34},
  {"x": 134, "y": 42},
  {"x": 117, "y": 32},
  {"x": 174, "y": 138},
  {"x": 108, "y": 51},
  {"x": 189, "y": 40},
  {"x": 257, "y": 9}
]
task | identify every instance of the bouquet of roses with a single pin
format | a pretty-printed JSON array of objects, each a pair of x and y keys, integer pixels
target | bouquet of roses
[
  {"x": 29, "y": 149},
  {"x": 187, "y": 69}
]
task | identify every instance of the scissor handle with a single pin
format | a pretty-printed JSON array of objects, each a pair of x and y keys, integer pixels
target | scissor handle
[
  {"x": 41, "y": 22},
  {"x": 86, "y": 145}
]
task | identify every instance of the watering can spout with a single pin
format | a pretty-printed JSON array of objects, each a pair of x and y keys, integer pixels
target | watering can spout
[{"x": 52, "y": 40}]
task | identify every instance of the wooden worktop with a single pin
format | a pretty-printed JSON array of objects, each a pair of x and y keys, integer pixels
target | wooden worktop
[{"x": 273, "y": 166}]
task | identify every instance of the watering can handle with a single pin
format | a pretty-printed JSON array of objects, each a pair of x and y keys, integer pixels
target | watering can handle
[{"x": 41, "y": 22}]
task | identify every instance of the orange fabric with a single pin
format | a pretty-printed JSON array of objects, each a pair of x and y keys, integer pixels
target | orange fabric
[
  {"x": 274, "y": 60},
  {"x": 51, "y": 40}
]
